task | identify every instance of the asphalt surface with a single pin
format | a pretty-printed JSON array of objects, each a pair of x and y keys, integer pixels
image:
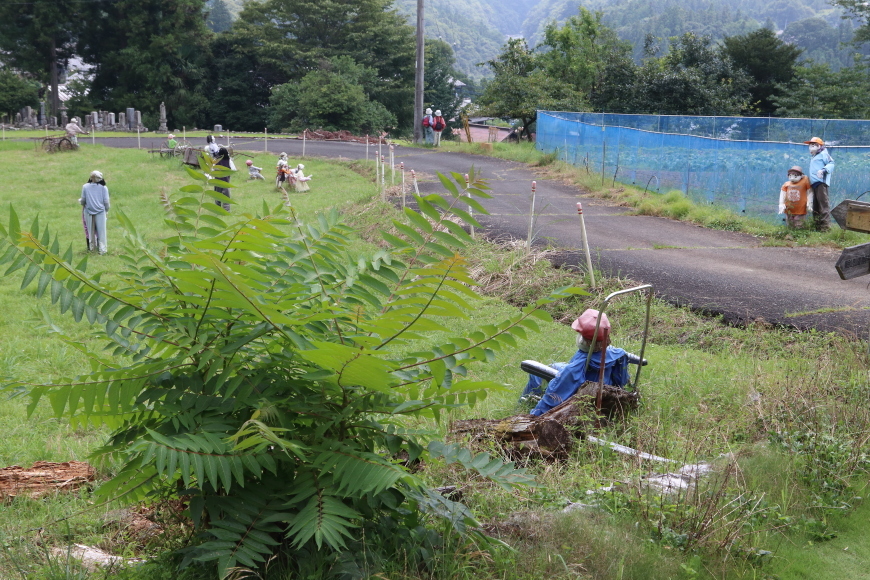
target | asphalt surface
[{"x": 709, "y": 270}]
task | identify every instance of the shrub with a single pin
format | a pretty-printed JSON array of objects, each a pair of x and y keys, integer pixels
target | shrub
[{"x": 265, "y": 377}]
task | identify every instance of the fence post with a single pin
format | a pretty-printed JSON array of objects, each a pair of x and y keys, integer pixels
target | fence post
[
  {"x": 585, "y": 244},
  {"x": 531, "y": 219},
  {"x": 402, "y": 166},
  {"x": 470, "y": 209}
]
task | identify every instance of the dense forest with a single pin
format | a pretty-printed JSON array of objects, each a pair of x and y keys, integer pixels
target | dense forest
[{"x": 349, "y": 64}]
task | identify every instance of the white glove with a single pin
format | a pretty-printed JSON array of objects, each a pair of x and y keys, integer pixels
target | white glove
[
  {"x": 781, "y": 208},
  {"x": 810, "y": 201},
  {"x": 820, "y": 173},
  {"x": 781, "y": 201}
]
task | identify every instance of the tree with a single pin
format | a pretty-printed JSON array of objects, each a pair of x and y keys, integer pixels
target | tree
[
  {"x": 520, "y": 87},
  {"x": 439, "y": 92},
  {"x": 580, "y": 50},
  {"x": 240, "y": 82},
  {"x": 767, "y": 60},
  {"x": 693, "y": 78},
  {"x": 16, "y": 92},
  {"x": 817, "y": 92},
  {"x": 274, "y": 378},
  {"x": 149, "y": 51},
  {"x": 219, "y": 17},
  {"x": 335, "y": 97},
  {"x": 39, "y": 38},
  {"x": 295, "y": 36},
  {"x": 860, "y": 10}
]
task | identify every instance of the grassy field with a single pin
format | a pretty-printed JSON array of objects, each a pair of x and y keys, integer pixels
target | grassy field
[{"x": 781, "y": 415}]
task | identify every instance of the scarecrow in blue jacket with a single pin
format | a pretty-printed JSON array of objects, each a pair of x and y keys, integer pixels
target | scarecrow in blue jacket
[
  {"x": 574, "y": 373},
  {"x": 821, "y": 167}
]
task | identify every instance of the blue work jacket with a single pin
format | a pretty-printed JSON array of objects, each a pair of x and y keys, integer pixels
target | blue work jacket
[{"x": 571, "y": 378}]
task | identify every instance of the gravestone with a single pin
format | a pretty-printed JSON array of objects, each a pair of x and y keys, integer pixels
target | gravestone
[
  {"x": 138, "y": 123},
  {"x": 218, "y": 128},
  {"x": 163, "y": 128},
  {"x": 63, "y": 118},
  {"x": 112, "y": 120},
  {"x": 42, "y": 120},
  {"x": 17, "y": 118},
  {"x": 122, "y": 121},
  {"x": 53, "y": 121},
  {"x": 130, "y": 117},
  {"x": 28, "y": 113}
]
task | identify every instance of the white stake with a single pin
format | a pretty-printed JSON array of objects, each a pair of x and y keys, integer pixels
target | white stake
[
  {"x": 367, "y": 147},
  {"x": 470, "y": 209},
  {"x": 414, "y": 179},
  {"x": 392, "y": 166},
  {"x": 585, "y": 243},
  {"x": 383, "y": 178},
  {"x": 402, "y": 167},
  {"x": 304, "y": 136},
  {"x": 531, "y": 218},
  {"x": 138, "y": 138},
  {"x": 265, "y": 139}
]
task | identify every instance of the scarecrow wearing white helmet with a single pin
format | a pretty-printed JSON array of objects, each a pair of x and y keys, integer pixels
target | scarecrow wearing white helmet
[
  {"x": 254, "y": 171},
  {"x": 428, "y": 120},
  {"x": 72, "y": 129},
  {"x": 438, "y": 125},
  {"x": 283, "y": 172},
  {"x": 301, "y": 179},
  {"x": 95, "y": 206}
]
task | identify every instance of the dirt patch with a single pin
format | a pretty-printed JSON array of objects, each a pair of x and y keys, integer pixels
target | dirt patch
[{"x": 43, "y": 478}]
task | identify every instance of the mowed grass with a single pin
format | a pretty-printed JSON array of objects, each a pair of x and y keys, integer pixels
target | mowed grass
[{"x": 711, "y": 393}]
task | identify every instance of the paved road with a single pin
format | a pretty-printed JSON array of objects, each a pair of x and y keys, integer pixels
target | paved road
[{"x": 718, "y": 272}]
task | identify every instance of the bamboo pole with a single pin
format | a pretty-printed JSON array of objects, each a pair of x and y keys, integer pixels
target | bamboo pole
[
  {"x": 531, "y": 218},
  {"x": 585, "y": 244}
]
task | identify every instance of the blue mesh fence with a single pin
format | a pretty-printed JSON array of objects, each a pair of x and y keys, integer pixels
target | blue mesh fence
[{"x": 735, "y": 162}]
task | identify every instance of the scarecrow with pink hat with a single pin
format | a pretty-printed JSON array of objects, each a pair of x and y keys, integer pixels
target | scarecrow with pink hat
[{"x": 592, "y": 350}]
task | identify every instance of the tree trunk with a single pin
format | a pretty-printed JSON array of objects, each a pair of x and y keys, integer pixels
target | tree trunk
[
  {"x": 55, "y": 97},
  {"x": 551, "y": 435}
]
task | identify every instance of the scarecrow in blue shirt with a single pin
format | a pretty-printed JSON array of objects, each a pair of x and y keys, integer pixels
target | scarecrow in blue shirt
[{"x": 573, "y": 374}]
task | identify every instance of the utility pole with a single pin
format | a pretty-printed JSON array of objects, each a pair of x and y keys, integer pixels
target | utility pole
[{"x": 418, "y": 78}]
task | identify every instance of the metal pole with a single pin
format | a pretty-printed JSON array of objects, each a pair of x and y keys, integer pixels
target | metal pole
[
  {"x": 418, "y": 77},
  {"x": 265, "y": 139},
  {"x": 585, "y": 244},
  {"x": 367, "y": 147},
  {"x": 392, "y": 166},
  {"x": 304, "y": 135}
]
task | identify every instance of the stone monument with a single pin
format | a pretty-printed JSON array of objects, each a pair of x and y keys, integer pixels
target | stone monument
[
  {"x": 163, "y": 128},
  {"x": 122, "y": 121}
]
